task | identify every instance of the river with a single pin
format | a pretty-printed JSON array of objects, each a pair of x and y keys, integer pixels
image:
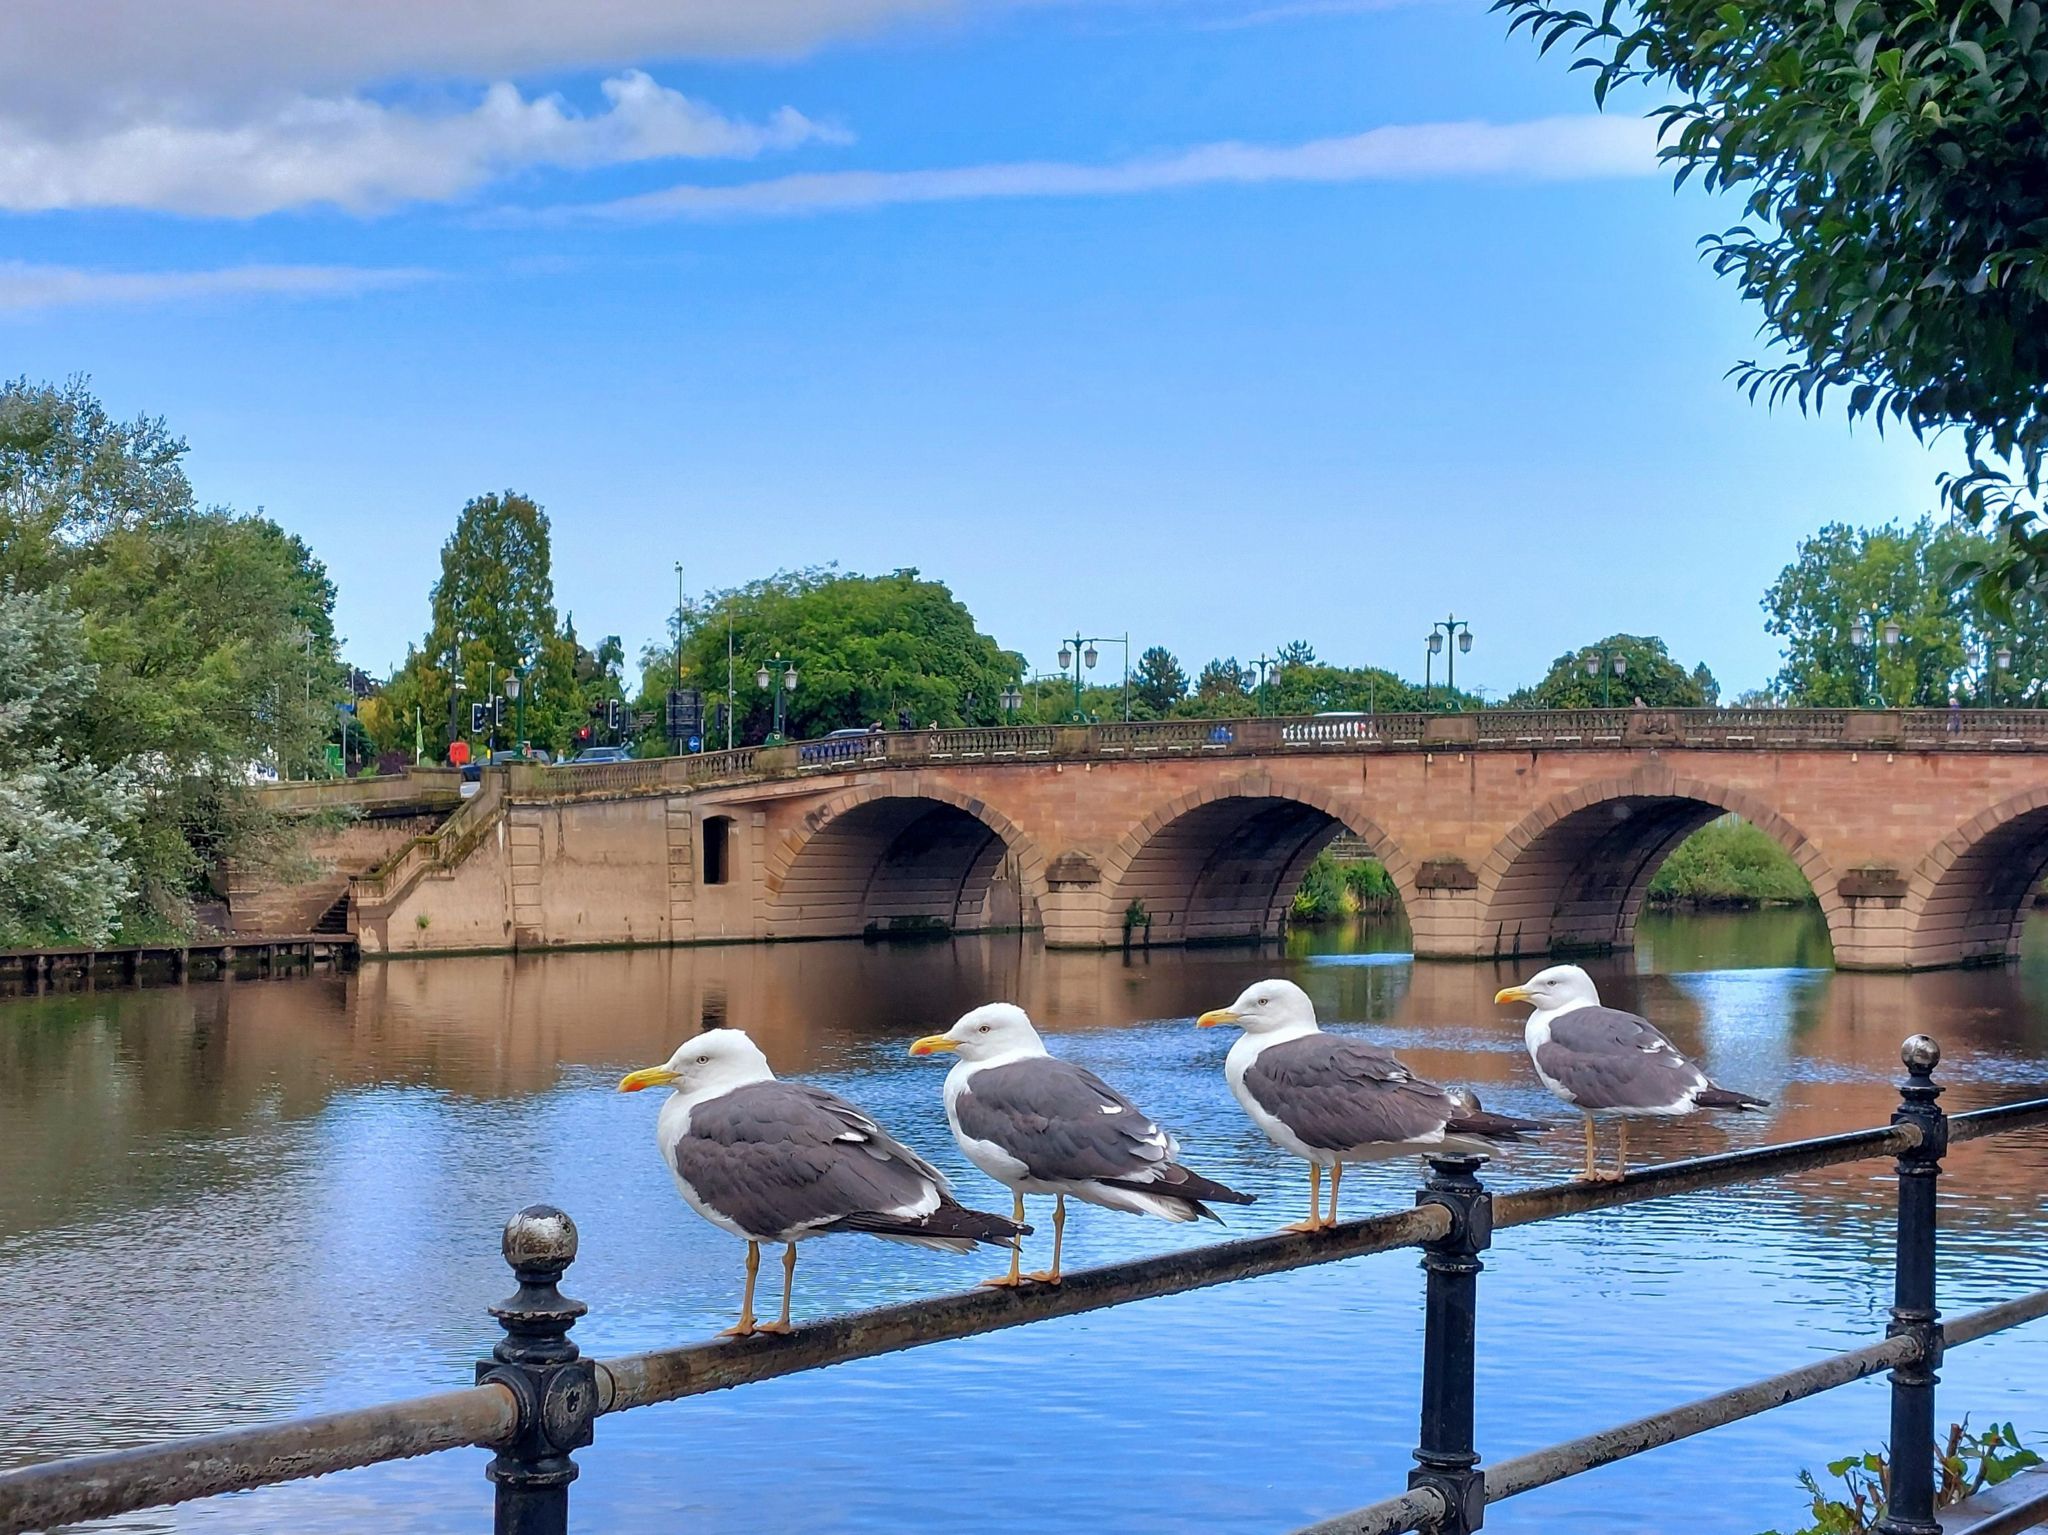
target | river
[{"x": 227, "y": 1203}]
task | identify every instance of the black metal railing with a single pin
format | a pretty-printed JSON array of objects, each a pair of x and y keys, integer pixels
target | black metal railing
[{"x": 537, "y": 1399}]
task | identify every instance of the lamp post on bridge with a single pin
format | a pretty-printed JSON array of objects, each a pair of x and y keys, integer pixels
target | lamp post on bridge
[
  {"x": 1459, "y": 633},
  {"x": 1889, "y": 634},
  {"x": 765, "y": 678},
  {"x": 1266, "y": 667},
  {"x": 1606, "y": 663},
  {"x": 1012, "y": 700}
]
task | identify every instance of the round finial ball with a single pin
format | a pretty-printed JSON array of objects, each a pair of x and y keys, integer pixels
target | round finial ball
[
  {"x": 540, "y": 1236},
  {"x": 1920, "y": 1053}
]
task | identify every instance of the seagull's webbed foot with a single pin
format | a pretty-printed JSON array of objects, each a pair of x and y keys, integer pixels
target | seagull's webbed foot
[
  {"x": 780, "y": 1329},
  {"x": 745, "y": 1327},
  {"x": 1604, "y": 1175},
  {"x": 1303, "y": 1227},
  {"x": 1010, "y": 1281}
]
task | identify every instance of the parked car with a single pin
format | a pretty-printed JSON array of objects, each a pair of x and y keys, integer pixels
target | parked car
[
  {"x": 603, "y": 754},
  {"x": 531, "y": 754},
  {"x": 841, "y": 746}
]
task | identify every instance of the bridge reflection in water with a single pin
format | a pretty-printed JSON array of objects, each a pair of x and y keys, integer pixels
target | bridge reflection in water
[{"x": 288, "y": 1149}]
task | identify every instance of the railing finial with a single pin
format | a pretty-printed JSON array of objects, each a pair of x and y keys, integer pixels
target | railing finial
[
  {"x": 555, "y": 1388},
  {"x": 1910, "y": 1510}
]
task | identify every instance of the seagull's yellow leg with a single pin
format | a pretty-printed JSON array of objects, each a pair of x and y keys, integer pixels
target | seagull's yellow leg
[
  {"x": 745, "y": 1325},
  {"x": 1059, "y": 1231},
  {"x": 788, "y": 1284},
  {"x": 1315, "y": 1202},
  {"x": 1621, "y": 1153},
  {"x": 1013, "y": 1278},
  {"x": 1336, "y": 1177},
  {"x": 1600, "y": 1174}
]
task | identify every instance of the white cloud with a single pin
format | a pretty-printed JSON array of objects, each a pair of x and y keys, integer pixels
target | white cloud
[
  {"x": 59, "y": 54},
  {"x": 24, "y": 286},
  {"x": 362, "y": 155},
  {"x": 1544, "y": 149}
]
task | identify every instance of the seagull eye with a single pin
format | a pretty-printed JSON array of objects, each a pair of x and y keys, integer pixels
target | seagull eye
[
  {"x": 984, "y": 1028},
  {"x": 703, "y": 1060}
]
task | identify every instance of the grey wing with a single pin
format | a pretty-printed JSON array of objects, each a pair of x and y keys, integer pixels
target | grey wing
[
  {"x": 1608, "y": 1059},
  {"x": 1061, "y": 1121},
  {"x": 778, "y": 1157},
  {"x": 1337, "y": 1095}
]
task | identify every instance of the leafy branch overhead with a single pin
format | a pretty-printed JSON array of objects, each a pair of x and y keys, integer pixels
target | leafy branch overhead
[{"x": 1893, "y": 171}]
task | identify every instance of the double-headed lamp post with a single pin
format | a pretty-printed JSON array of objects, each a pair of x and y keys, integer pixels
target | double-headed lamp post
[
  {"x": 1076, "y": 653},
  {"x": 2001, "y": 659},
  {"x": 1859, "y": 635},
  {"x": 1606, "y": 663},
  {"x": 1013, "y": 700},
  {"x": 1459, "y": 633},
  {"x": 766, "y": 678}
]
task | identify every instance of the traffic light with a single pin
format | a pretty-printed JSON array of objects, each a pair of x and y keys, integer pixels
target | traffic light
[
  {"x": 498, "y": 709},
  {"x": 611, "y": 714},
  {"x": 476, "y": 719}
]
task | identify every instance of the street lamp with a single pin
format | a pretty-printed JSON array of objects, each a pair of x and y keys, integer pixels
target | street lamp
[
  {"x": 1459, "y": 632},
  {"x": 1013, "y": 700},
  {"x": 1267, "y": 666},
  {"x": 1080, "y": 651},
  {"x": 2001, "y": 662},
  {"x": 764, "y": 679},
  {"x": 1606, "y": 663},
  {"x": 516, "y": 691}
]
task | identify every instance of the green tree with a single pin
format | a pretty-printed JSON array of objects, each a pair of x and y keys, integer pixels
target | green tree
[
  {"x": 1158, "y": 683},
  {"x": 65, "y": 820},
  {"x": 1892, "y": 161},
  {"x": 1649, "y": 674},
  {"x": 209, "y": 635},
  {"x": 1312, "y": 688},
  {"x": 1947, "y": 641},
  {"x": 494, "y": 618},
  {"x": 865, "y": 648}
]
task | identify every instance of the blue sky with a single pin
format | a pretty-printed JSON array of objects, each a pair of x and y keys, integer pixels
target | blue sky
[{"x": 1218, "y": 321}]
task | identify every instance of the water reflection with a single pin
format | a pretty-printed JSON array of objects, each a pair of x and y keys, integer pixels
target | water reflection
[{"x": 223, "y": 1203}]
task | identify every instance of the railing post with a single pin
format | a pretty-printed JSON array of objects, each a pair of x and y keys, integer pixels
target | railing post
[
  {"x": 555, "y": 1388},
  {"x": 1910, "y": 1508},
  {"x": 1445, "y": 1457}
]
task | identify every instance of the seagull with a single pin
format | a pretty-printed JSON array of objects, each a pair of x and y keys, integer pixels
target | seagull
[
  {"x": 1602, "y": 1060},
  {"x": 1041, "y": 1125},
  {"x": 1333, "y": 1100},
  {"x": 773, "y": 1161}
]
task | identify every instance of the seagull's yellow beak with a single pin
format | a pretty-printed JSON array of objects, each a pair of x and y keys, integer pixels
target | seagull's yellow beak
[
  {"x": 1513, "y": 994},
  {"x": 650, "y": 1076},
  {"x": 934, "y": 1044},
  {"x": 1214, "y": 1016}
]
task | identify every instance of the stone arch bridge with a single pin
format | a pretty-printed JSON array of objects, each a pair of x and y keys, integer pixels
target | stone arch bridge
[{"x": 1923, "y": 833}]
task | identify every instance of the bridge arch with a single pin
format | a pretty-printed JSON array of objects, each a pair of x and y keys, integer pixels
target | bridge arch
[
  {"x": 903, "y": 859},
  {"x": 1572, "y": 874},
  {"x": 1967, "y": 901},
  {"x": 1222, "y": 862}
]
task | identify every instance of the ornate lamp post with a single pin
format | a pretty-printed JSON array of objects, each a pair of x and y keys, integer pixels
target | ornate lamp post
[
  {"x": 1459, "y": 633},
  {"x": 765, "y": 678},
  {"x": 1606, "y": 663},
  {"x": 1267, "y": 666},
  {"x": 1013, "y": 700},
  {"x": 515, "y": 689}
]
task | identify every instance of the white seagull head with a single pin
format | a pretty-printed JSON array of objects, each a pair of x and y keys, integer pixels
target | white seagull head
[
  {"x": 1266, "y": 1007},
  {"x": 997, "y": 1031},
  {"x": 1552, "y": 990},
  {"x": 711, "y": 1063}
]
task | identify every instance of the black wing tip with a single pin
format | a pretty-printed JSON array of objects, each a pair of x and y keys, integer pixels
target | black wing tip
[
  {"x": 1501, "y": 1128},
  {"x": 1728, "y": 1098}
]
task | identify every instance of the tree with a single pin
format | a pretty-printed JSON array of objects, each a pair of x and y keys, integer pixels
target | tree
[
  {"x": 210, "y": 642},
  {"x": 1158, "y": 683},
  {"x": 1649, "y": 674},
  {"x": 1893, "y": 165},
  {"x": 1947, "y": 641},
  {"x": 65, "y": 876},
  {"x": 494, "y": 618},
  {"x": 1311, "y": 688},
  {"x": 1295, "y": 653},
  {"x": 865, "y": 648}
]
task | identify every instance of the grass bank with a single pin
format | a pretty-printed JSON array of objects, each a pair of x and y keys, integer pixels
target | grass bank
[{"x": 1729, "y": 865}]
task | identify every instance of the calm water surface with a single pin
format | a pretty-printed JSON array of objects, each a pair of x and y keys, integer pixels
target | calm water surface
[{"x": 223, "y": 1204}]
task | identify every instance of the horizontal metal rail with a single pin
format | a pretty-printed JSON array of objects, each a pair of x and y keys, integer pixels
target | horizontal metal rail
[
  {"x": 1557, "y": 1462},
  {"x": 97, "y": 1486},
  {"x": 121, "y": 1481},
  {"x": 639, "y": 1380}
]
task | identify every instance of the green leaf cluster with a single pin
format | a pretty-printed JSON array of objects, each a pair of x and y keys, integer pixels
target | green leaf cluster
[
  {"x": 1967, "y": 1463},
  {"x": 1730, "y": 862},
  {"x": 1648, "y": 673}
]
